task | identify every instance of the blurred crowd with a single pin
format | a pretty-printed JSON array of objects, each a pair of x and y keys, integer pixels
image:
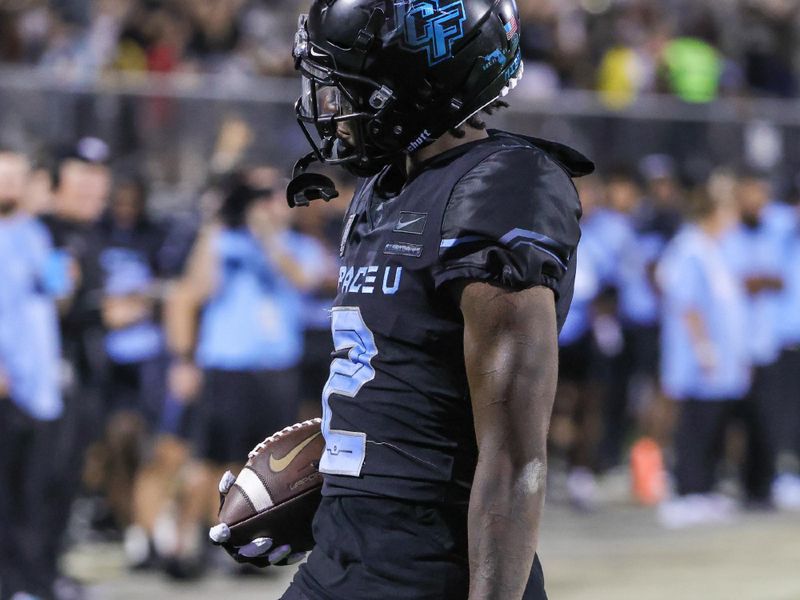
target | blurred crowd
[
  {"x": 681, "y": 352},
  {"x": 694, "y": 49},
  {"x": 84, "y": 38},
  {"x": 140, "y": 359}
]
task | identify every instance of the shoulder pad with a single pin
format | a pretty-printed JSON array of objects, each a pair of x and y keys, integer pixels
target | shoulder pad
[{"x": 572, "y": 161}]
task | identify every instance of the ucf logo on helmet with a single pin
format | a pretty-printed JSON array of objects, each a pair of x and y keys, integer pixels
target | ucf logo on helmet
[{"x": 431, "y": 26}]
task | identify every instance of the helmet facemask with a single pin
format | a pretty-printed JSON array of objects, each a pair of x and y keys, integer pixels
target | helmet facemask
[{"x": 343, "y": 110}]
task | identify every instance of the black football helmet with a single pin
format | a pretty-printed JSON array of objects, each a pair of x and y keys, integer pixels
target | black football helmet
[{"x": 393, "y": 75}]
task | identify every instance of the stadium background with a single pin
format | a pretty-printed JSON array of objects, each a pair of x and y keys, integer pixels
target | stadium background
[{"x": 184, "y": 91}]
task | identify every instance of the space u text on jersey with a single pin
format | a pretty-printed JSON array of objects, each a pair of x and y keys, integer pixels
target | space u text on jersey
[{"x": 366, "y": 280}]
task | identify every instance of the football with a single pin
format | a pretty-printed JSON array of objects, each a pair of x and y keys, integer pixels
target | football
[{"x": 279, "y": 489}]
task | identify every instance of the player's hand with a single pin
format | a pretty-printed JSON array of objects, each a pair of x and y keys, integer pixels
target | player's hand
[{"x": 261, "y": 552}]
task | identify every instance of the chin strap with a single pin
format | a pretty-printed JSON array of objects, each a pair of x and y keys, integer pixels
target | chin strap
[{"x": 304, "y": 187}]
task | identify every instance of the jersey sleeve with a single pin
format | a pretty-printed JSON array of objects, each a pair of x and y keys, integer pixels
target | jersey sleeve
[{"x": 513, "y": 220}]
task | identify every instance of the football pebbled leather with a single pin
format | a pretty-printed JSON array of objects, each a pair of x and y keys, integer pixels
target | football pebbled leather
[{"x": 279, "y": 489}]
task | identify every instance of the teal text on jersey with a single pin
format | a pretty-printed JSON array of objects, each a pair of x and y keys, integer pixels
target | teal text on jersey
[{"x": 366, "y": 280}]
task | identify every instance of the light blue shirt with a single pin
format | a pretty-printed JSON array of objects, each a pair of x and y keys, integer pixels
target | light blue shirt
[
  {"x": 695, "y": 276},
  {"x": 253, "y": 321},
  {"x": 127, "y": 273},
  {"x": 789, "y": 323},
  {"x": 785, "y": 220},
  {"x": 587, "y": 286},
  {"x": 782, "y": 219},
  {"x": 761, "y": 252},
  {"x": 604, "y": 236},
  {"x": 610, "y": 236},
  {"x": 29, "y": 337},
  {"x": 638, "y": 300}
]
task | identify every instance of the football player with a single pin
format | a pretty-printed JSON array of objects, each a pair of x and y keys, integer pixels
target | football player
[{"x": 458, "y": 261}]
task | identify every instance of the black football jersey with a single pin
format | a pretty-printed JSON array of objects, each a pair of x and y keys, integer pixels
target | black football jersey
[{"x": 397, "y": 417}]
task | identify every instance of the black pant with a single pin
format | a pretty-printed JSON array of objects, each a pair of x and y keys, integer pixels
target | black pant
[
  {"x": 26, "y": 450},
  {"x": 238, "y": 409},
  {"x": 639, "y": 360},
  {"x": 369, "y": 548},
  {"x": 66, "y": 442},
  {"x": 138, "y": 388},
  {"x": 782, "y": 412},
  {"x": 699, "y": 444}
]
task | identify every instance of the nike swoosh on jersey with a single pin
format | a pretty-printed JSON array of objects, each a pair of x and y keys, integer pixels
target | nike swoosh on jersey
[
  {"x": 404, "y": 224},
  {"x": 277, "y": 465},
  {"x": 411, "y": 223}
]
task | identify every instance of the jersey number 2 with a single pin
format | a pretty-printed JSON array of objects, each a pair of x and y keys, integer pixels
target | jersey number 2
[{"x": 350, "y": 371}]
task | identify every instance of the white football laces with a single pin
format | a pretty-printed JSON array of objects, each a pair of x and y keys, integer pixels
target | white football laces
[{"x": 276, "y": 436}]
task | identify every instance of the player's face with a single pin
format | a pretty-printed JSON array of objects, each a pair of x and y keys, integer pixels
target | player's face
[
  {"x": 330, "y": 102},
  {"x": 345, "y": 133},
  {"x": 13, "y": 179},
  {"x": 322, "y": 99},
  {"x": 327, "y": 104}
]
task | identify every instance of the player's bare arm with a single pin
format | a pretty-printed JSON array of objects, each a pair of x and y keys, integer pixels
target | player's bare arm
[{"x": 511, "y": 356}]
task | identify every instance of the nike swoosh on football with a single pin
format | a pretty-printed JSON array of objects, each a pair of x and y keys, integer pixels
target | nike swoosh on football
[
  {"x": 404, "y": 224},
  {"x": 277, "y": 465}
]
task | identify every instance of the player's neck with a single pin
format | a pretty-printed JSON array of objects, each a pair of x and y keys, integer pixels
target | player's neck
[{"x": 447, "y": 142}]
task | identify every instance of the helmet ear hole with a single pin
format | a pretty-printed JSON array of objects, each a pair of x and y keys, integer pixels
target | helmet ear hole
[{"x": 381, "y": 98}]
